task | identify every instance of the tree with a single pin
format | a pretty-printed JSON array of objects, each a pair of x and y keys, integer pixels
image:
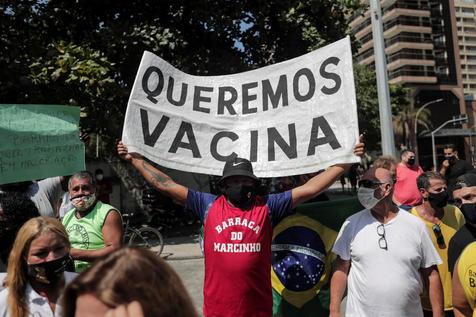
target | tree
[
  {"x": 405, "y": 115},
  {"x": 86, "y": 52},
  {"x": 367, "y": 103}
]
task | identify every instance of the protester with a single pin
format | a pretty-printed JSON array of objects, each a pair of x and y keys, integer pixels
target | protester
[
  {"x": 383, "y": 253},
  {"x": 442, "y": 221},
  {"x": 406, "y": 193},
  {"x": 452, "y": 166},
  {"x": 45, "y": 193},
  {"x": 36, "y": 273},
  {"x": 125, "y": 276},
  {"x": 464, "y": 286},
  {"x": 237, "y": 230},
  {"x": 15, "y": 210},
  {"x": 94, "y": 228},
  {"x": 465, "y": 197}
]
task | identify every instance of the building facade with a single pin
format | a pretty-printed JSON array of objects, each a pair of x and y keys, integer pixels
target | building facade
[
  {"x": 466, "y": 30},
  {"x": 422, "y": 53}
]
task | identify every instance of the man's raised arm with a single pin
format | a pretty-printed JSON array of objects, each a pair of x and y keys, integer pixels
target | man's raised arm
[
  {"x": 161, "y": 181},
  {"x": 322, "y": 181}
]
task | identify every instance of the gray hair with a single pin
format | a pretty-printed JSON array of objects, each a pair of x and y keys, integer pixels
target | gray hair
[{"x": 81, "y": 175}]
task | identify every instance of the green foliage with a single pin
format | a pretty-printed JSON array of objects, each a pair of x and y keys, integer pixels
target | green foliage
[
  {"x": 404, "y": 116},
  {"x": 283, "y": 29},
  {"x": 86, "y": 52},
  {"x": 368, "y": 109},
  {"x": 367, "y": 105}
]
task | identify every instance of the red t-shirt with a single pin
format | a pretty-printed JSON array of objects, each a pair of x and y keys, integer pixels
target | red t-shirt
[
  {"x": 237, "y": 249},
  {"x": 406, "y": 190}
]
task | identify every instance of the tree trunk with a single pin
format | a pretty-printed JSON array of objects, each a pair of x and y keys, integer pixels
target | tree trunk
[{"x": 130, "y": 178}]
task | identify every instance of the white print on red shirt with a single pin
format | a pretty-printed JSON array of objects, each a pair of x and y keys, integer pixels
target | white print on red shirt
[
  {"x": 236, "y": 247},
  {"x": 237, "y": 221}
]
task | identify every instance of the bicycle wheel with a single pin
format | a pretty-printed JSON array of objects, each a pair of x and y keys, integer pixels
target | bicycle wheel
[{"x": 147, "y": 237}]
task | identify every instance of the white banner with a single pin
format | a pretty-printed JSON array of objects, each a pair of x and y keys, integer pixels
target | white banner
[{"x": 294, "y": 117}]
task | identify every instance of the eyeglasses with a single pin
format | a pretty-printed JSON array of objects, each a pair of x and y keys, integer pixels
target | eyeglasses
[
  {"x": 439, "y": 236},
  {"x": 382, "y": 242},
  {"x": 370, "y": 184}
]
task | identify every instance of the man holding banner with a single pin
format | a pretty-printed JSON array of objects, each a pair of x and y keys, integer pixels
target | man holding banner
[
  {"x": 291, "y": 118},
  {"x": 237, "y": 230}
]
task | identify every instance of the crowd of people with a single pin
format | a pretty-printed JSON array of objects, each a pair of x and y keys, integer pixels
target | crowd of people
[
  {"x": 425, "y": 222},
  {"x": 410, "y": 252}
]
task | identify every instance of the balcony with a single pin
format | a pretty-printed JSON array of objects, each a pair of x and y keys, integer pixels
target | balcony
[
  {"x": 404, "y": 77},
  {"x": 406, "y": 38},
  {"x": 407, "y": 21},
  {"x": 397, "y": 29}
]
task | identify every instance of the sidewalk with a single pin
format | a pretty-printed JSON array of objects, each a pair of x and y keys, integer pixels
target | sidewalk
[{"x": 182, "y": 248}]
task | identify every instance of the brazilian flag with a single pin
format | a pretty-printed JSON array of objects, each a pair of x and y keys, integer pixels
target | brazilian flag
[{"x": 302, "y": 257}]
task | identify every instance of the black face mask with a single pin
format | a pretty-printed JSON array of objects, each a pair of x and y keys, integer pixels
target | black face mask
[
  {"x": 469, "y": 212},
  {"x": 411, "y": 161},
  {"x": 240, "y": 195},
  {"x": 451, "y": 159},
  {"x": 438, "y": 200},
  {"x": 49, "y": 272}
]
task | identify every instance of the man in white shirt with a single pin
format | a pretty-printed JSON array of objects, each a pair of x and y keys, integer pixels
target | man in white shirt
[
  {"x": 383, "y": 253},
  {"x": 47, "y": 194}
]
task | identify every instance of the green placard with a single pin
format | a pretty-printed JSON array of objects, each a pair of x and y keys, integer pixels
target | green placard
[{"x": 39, "y": 141}]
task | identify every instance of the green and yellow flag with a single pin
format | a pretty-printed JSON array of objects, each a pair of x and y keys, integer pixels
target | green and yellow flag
[{"x": 302, "y": 257}]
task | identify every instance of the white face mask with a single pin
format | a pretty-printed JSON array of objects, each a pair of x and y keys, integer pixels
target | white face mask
[
  {"x": 84, "y": 202},
  {"x": 99, "y": 177},
  {"x": 367, "y": 197}
]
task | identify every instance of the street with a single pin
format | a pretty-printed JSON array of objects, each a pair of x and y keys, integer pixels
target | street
[{"x": 191, "y": 271}]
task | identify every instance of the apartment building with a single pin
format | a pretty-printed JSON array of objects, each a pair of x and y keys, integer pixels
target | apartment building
[
  {"x": 422, "y": 53},
  {"x": 466, "y": 30}
]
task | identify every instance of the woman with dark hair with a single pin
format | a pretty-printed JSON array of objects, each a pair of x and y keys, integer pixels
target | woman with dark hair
[
  {"x": 36, "y": 273},
  {"x": 128, "y": 275}
]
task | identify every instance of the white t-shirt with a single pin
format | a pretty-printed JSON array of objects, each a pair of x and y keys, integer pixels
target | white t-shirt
[
  {"x": 46, "y": 195},
  {"x": 385, "y": 283},
  {"x": 38, "y": 305},
  {"x": 66, "y": 205}
]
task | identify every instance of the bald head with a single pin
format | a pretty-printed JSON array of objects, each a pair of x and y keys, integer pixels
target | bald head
[{"x": 378, "y": 174}]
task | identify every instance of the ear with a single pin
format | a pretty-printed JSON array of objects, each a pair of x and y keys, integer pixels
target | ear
[
  {"x": 388, "y": 189},
  {"x": 423, "y": 193}
]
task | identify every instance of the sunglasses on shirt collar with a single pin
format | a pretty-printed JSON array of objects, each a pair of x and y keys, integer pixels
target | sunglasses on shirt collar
[{"x": 439, "y": 235}]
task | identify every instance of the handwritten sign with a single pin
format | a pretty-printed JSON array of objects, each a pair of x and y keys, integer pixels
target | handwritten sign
[{"x": 39, "y": 141}]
